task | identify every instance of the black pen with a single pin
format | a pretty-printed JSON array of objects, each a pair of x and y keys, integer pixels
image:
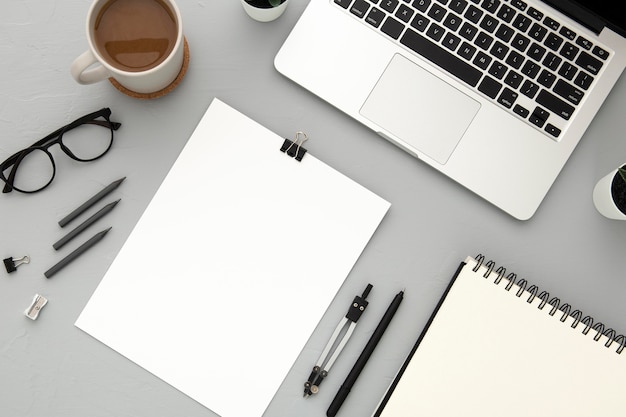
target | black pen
[
  {"x": 84, "y": 225},
  {"x": 345, "y": 388},
  {"x": 93, "y": 200},
  {"x": 77, "y": 252}
]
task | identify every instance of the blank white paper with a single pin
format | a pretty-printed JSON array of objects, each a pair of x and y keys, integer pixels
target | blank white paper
[{"x": 232, "y": 265}]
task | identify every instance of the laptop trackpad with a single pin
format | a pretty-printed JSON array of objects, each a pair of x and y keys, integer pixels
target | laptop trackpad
[{"x": 420, "y": 109}]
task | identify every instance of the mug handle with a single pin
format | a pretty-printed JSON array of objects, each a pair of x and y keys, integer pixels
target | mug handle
[{"x": 83, "y": 74}]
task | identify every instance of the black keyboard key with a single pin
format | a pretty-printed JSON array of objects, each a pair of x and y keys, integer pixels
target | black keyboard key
[
  {"x": 536, "y": 52},
  {"x": 507, "y": 98},
  {"x": 504, "y": 32},
  {"x": 490, "y": 5},
  {"x": 473, "y": 14},
  {"x": 420, "y": 22},
  {"x": 551, "y": 23},
  {"x": 343, "y": 3},
  {"x": 482, "y": 60},
  {"x": 520, "y": 42},
  {"x": 569, "y": 50},
  {"x": 553, "y": 130},
  {"x": 421, "y": 5},
  {"x": 584, "y": 42},
  {"x": 468, "y": 31},
  {"x": 521, "y": 22},
  {"x": 375, "y": 17},
  {"x": 499, "y": 50},
  {"x": 521, "y": 111},
  {"x": 552, "y": 61},
  {"x": 451, "y": 41},
  {"x": 529, "y": 89},
  {"x": 467, "y": 51},
  {"x": 539, "y": 117},
  {"x": 490, "y": 87},
  {"x": 497, "y": 70},
  {"x": 537, "y": 32},
  {"x": 553, "y": 41},
  {"x": 567, "y": 71},
  {"x": 437, "y": 12},
  {"x": 600, "y": 53},
  {"x": 535, "y": 14},
  {"x": 568, "y": 92},
  {"x": 546, "y": 78},
  {"x": 519, "y": 4},
  {"x": 555, "y": 104},
  {"x": 452, "y": 21},
  {"x": 392, "y": 27},
  {"x": 441, "y": 57},
  {"x": 483, "y": 40},
  {"x": 404, "y": 13},
  {"x": 515, "y": 60},
  {"x": 506, "y": 13},
  {"x": 389, "y": 5},
  {"x": 568, "y": 33},
  {"x": 530, "y": 69},
  {"x": 513, "y": 79},
  {"x": 458, "y": 6},
  {"x": 360, "y": 8},
  {"x": 583, "y": 80},
  {"x": 489, "y": 23},
  {"x": 435, "y": 32},
  {"x": 589, "y": 63}
]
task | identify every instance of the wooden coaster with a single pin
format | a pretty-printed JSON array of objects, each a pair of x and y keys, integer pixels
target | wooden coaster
[{"x": 162, "y": 92}]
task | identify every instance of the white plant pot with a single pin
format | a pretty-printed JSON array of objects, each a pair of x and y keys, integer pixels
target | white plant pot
[
  {"x": 264, "y": 14},
  {"x": 603, "y": 199}
]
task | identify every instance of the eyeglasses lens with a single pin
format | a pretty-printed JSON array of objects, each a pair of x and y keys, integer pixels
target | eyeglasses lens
[
  {"x": 88, "y": 141},
  {"x": 34, "y": 172}
]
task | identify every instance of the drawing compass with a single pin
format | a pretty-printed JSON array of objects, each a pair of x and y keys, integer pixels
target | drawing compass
[{"x": 324, "y": 363}]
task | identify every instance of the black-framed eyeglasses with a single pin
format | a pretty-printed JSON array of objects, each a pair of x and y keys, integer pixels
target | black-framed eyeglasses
[{"x": 35, "y": 164}]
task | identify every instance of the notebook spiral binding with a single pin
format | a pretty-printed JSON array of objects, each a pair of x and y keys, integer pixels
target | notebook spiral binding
[{"x": 554, "y": 303}]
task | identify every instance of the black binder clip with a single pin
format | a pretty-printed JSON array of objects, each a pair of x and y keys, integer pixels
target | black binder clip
[
  {"x": 11, "y": 264},
  {"x": 294, "y": 148},
  {"x": 323, "y": 364}
]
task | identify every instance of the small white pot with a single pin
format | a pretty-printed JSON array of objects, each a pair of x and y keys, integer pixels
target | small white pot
[
  {"x": 264, "y": 14},
  {"x": 603, "y": 199}
]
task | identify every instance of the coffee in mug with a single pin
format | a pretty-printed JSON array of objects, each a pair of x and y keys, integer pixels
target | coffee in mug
[
  {"x": 135, "y": 35},
  {"x": 139, "y": 43}
]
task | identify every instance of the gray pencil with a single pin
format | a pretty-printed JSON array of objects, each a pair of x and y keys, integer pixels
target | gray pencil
[
  {"x": 93, "y": 200},
  {"x": 77, "y": 252},
  {"x": 84, "y": 225}
]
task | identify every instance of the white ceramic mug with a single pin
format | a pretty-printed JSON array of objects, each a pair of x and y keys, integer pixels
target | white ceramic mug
[
  {"x": 91, "y": 66},
  {"x": 603, "y": 197}
]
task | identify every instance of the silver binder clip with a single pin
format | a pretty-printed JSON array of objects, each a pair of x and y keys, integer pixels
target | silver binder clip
[
  {"x": 294, "y": 148},
  {"x": 32, "y": 312},
  {"x": 11, "y": 264}
]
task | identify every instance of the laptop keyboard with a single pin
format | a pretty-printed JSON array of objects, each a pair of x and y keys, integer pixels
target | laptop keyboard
[{"x": 514, "y": 54}]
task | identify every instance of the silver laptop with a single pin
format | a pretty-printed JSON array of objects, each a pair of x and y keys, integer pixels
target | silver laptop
[{"x": 494, "y": 94}]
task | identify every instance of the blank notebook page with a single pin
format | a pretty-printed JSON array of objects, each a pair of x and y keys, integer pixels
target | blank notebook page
[
  {"x": 490, "y": 353},
  {"x": 232, "y": 265}
]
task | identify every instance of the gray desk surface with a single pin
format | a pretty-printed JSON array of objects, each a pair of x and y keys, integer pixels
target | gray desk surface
[{"x": 49, "y": 367}]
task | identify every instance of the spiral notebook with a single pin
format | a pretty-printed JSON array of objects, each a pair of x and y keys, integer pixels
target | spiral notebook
[{"x": 497, "y": 346}]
